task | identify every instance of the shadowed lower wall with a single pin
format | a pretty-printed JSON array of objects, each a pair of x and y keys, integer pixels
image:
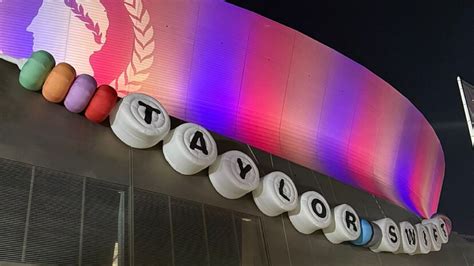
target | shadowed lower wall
[{"x": 70, "y": 193}]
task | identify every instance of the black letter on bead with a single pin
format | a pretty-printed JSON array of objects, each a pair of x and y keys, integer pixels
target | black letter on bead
[
  {"x": 444, "y": 230},
  {"x": 198, "y": 136},
  {"x": 424, "y": 236},
  {"x": 391, "y": 232},
  {"x": 280, "y": 190},
  {"x": 314, "y": 204},
  {"x": 435, "y": 234},
  {"x": 410, "y": 236},
  {"x": 149, "y": 111},
  {"x": 243, "y": 170},
  {"x": 350, "y": 220}
]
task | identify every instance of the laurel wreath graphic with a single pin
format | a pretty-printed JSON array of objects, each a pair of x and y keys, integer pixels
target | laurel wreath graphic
[
  {"x": 142, "y": 58},
  {"x": 79, "y": 12}
]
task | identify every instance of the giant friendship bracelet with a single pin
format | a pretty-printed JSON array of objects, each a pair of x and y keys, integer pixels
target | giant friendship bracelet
[{"x": 140, "y": 121}]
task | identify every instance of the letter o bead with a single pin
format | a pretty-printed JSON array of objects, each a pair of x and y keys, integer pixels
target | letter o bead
[
  {"x": 311, "y": 214},
  {"x": 276, "y": 193},
  {"x": 409, "y": 239},
  {"x": 234, "y": 174},
  {"x": 139, "y": 121},
  {"x": 390, "y": 241},
  {"x": 189, "y": 148},
  {"x": 345, "y": 225}
]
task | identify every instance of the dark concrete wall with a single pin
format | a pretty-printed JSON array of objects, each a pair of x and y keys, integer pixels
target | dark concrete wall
[{"x": 59, "y": 148}]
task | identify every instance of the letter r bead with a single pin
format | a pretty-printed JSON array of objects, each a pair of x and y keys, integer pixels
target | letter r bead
[{"x": 344, "y": 226}]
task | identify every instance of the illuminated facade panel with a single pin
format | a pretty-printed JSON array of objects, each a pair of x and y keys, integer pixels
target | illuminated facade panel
[{"x": 248, "y": 78}]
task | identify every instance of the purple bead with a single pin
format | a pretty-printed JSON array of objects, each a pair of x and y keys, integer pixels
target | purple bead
[{"x": 80, "y": 93}]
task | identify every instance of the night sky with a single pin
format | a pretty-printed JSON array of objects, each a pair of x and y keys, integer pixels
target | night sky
[{"x": 419, "y": 47}]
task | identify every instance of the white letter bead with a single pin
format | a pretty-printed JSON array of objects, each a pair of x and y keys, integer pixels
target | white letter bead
[
  {"x": 234, "y": 174},
  {"x": 390, "y": 241},
  {"x": 434, "y": 230},
  {"x": 444, "y": 230},
  {"x": 409, "y": 239},
  {"x": 276, "y": 193},
  {"x": 424, "y": 239},
  {"x": 445, "y": 225},
  {"x": 139, "y": 121},
  {"x": 311, "y": 214},
  {"x": 189, "y": 148},
  {"x": 345, "y": 225},
  {"x": 441, "y": 226}
]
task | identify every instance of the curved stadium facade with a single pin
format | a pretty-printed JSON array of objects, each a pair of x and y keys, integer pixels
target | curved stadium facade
[
  {"x": 242, "y": 76},
  {"x": 259, "y": 82}
]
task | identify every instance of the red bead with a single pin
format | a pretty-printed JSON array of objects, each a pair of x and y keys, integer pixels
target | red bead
[{"x": 101, "y": 104}]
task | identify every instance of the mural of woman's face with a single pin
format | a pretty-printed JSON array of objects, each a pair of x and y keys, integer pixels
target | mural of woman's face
[
  {"x": 50, "y": 30},
  {"x": 60, "y": 28},
  {"x": 82, "y": 41},
  {"x": 15, "y": 16}
]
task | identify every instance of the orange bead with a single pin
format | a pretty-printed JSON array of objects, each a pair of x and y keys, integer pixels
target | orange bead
[{"x": 58, "y": 82}]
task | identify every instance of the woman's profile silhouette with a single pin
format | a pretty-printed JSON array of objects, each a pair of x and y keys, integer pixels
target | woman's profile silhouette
[
  {"x": 15, "y": 17},
  {"x": 114, "y": 56}
]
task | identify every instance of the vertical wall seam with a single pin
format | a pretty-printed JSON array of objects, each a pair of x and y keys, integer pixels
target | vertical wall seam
[
  {"x": 64, "y": 59},
  {"x": 237, "y": 107},
  {"x": 464, "y": 256},
  {"x": 379, "y": 259},
  {"x": 205, "y": 234},
  {"x": 378, "y": 205},
  {"x": 131, "y": 238},
  {"x": 286, "y": 240},
  {"x": 28, "y": 212},
  {"x": 291, "y": 170},
  {"x": 271, "y": 160},
  {"x": 253, "y": 154},
  {"x": 171, "y": 231},
  {"x": 259, "y": 165},
  {"x": 121, "y": 229},
  {"x": 191, "y": 64},
  {"x": 332, "y": 190},
  {"x": 264, "y": 240},
  {"x": 81, "y": 230},
  {"x": 286, "y": 91},
  {"x": 317, "y": 181},
  {"x": 236, "y": 238},
  {"x": 315, "y": 259}
]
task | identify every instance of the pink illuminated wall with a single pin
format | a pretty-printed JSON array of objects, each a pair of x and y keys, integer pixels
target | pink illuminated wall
[{"x": 248, "y": 78}]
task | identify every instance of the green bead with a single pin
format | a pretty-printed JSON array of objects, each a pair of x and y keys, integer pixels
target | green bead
[{"x": 36, "y": 69}]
